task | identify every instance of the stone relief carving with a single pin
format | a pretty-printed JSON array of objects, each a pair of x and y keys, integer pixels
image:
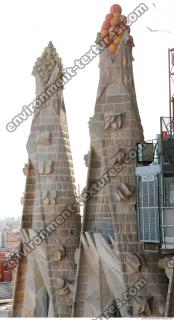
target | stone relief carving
[
  {"x": 114, "y": 121},
  {"x": 64, "y": 291},
  {"x": 40, "y": 167},
  {"x": 142, "y": 306},
  {"x": 52, "y": 197},
  {"x": 59, "y": 283},
  {"x": 123, "y": 192},
  {"x": 134, "y": 263},
  {"x": 27, "y": 167},
  {"x": 118, "y": 157},
  {"x": 58, "y": 254},
  {"x": 46, "y": 63},
  {"x": 45, "y": 167},
  {"x": 62, "y": 288},
  {"x": 48, "y": 197},
  {"x": 44, "y": 197}
]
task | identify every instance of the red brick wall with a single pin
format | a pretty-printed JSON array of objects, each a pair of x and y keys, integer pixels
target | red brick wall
[{"x": 5, "y": 273}]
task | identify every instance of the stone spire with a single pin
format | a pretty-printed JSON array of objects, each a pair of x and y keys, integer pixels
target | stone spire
[
  {"x": 115, "y": 276},
  {"x": 110, "y": 257},
  {"x": 51, "y": 219},
  {"x": 45, "y": 65}
]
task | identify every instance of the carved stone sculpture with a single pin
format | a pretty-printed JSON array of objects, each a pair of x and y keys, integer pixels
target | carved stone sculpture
[
  {"x": 134, "y": 263},
  {"x": 118, "y": 157},
  {"x": 64, "y": 290},
  {"x": 45, "y": 167},
  {"x": 58, "y": 254},
  {"x": 48, "y": 197},
  {"x": 142, "y": 306},
  {"x": 113, "y": 121},
  {"x": 123, "y": 192}
]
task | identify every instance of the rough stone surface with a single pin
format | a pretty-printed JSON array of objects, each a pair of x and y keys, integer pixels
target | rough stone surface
[
  {"x": 50, "y": 188},
  {"x": 115, "y": 129}
]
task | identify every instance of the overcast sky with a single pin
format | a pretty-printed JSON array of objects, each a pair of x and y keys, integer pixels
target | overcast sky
[{"x": 27, "y": 27}]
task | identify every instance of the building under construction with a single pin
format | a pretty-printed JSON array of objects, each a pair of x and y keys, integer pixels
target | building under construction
[{"x": 118, "y": 261}]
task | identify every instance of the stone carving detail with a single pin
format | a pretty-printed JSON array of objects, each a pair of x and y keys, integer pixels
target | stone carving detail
[
  {"x": 118, "y": 157},
  {"x": 46, "y": 63},
  {"x": 49, "y": 197},
  {"x": 123, "y": 192},
  {"x": 45, "y": 167},
  {"x": 114, "y": 121},
  {"x": 41, "y": 167},
  {"x": 44, "y": 138},
  {"x": 64, "y": 291},
  {"x": 58, "y": 254},
  {"x": 142, "y": 306},
  {"x": 134, "y": 263},
  {"x": 48, "y": 167},
  {"x": 52, "y": 197},
  {"x": 26, "y": 168},
  {"x": 167, "y": 264},
  {"x": 62, "y": 288},
  {"x": 59, "y": 283},
  {"x": 44, "y": 197}
]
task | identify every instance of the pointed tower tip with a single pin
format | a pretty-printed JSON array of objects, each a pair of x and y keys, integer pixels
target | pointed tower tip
[
  {"x": 50, "y": 45},
  {"x": 45, "y": 65},
  {"x": 113, "y": 30}
]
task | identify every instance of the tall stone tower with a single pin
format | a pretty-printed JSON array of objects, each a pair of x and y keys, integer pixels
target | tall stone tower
[
  {"x": 51, "y": 219},
  {"x": 114, "y": 275}
]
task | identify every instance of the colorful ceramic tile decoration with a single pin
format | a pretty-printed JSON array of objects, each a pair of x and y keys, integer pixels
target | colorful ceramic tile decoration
[
  {"x": 46, "y": 63},
  {"x": 114, "y": 28}
]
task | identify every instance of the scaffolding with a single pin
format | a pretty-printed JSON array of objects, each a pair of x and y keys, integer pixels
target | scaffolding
[
  {"x": 155, "y": 181},
  {"x": 171, "y": 83},
  {"x": 155, "y": 191}
]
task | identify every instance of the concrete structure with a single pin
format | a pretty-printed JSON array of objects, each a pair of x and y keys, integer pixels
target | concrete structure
[{"x": 45, "y": 277}]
